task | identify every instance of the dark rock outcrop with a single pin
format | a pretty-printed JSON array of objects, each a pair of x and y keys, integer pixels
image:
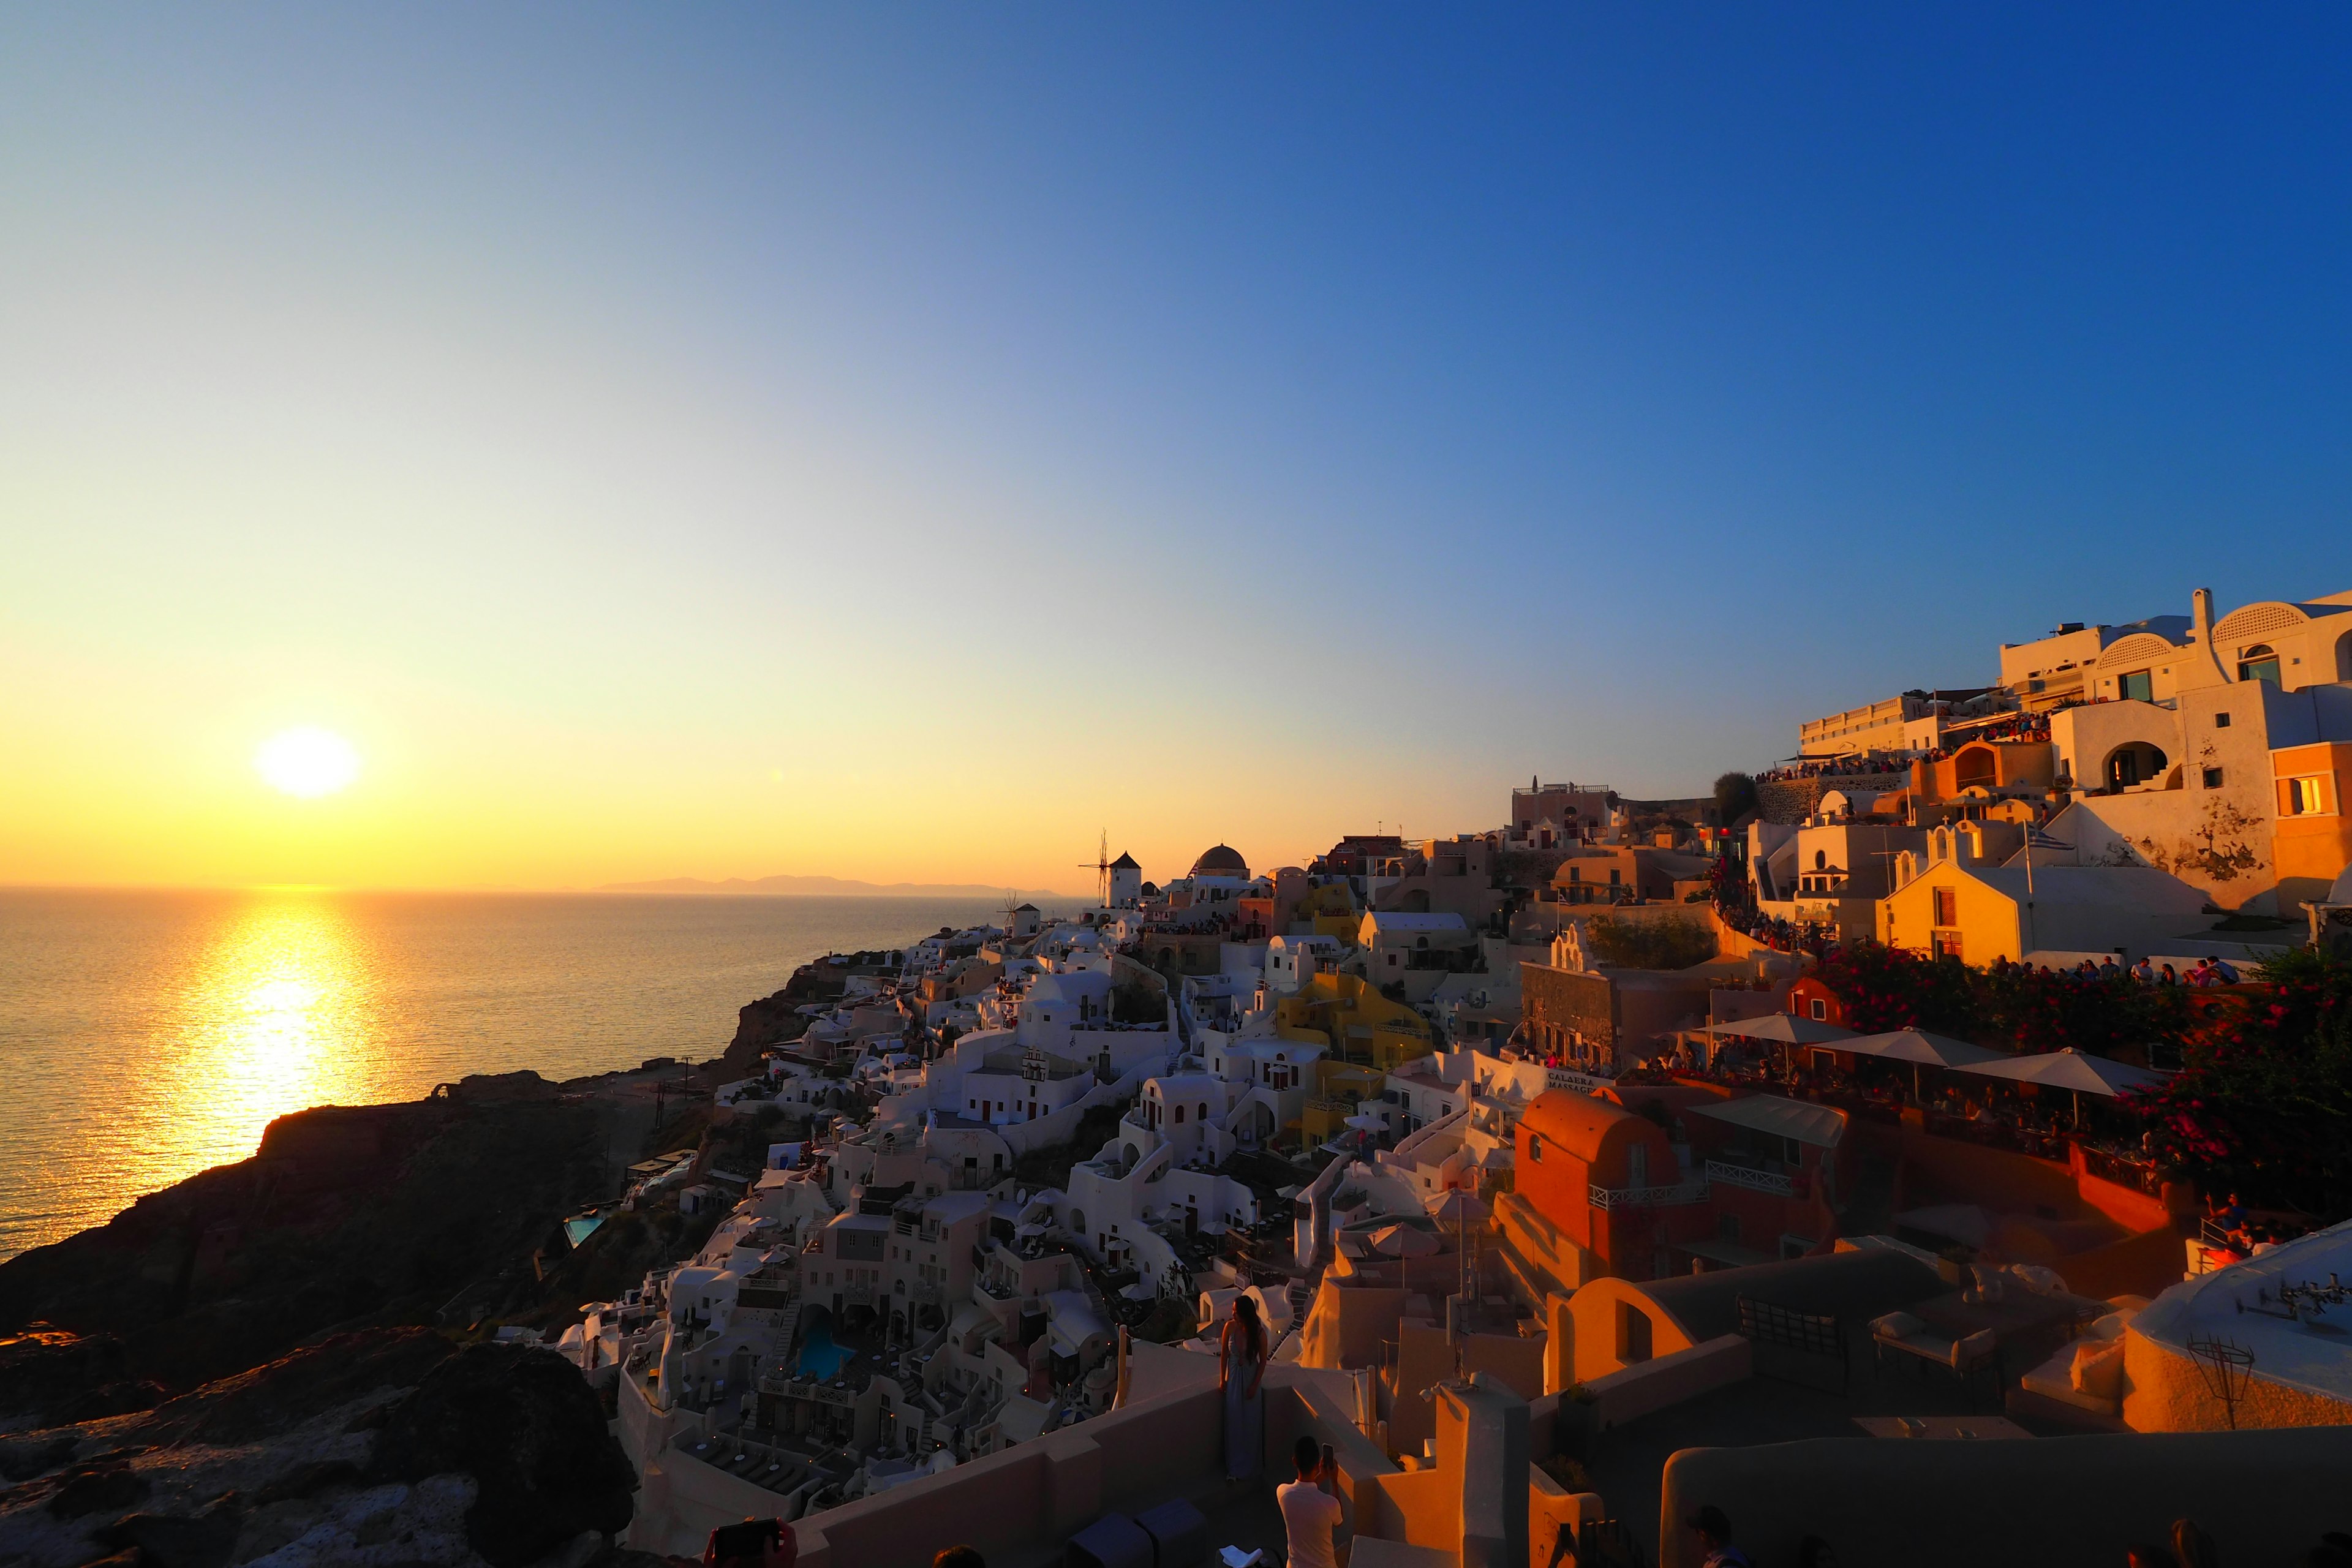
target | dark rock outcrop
[
  {"x": 371, "y": 1437},
  {"x": 346, "y": 1216},
  {"x": 523, "y": 1423},
  {"x": 775, "y": 1020}
]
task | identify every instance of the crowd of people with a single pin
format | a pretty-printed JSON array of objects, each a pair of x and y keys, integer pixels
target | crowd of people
[
  {"x": 1835, "y": 767},
  {"x": 2015, "y": 727},
  {"x": 1778, "y": 934},
  {"x": 2206, "y": 972}
]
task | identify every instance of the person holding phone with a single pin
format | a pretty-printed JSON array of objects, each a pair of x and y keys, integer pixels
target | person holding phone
[
  {"x": 1311, "y": 1510},
  {"x": 754, "y": 1544}
]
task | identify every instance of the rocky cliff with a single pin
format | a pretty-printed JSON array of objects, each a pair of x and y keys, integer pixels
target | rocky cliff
[
  {"x": 390, "y": 1446},
  {"x": 426, "y": 1213}
]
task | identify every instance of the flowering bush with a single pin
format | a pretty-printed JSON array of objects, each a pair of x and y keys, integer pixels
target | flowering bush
[{"x": 2262, "y": 1106}]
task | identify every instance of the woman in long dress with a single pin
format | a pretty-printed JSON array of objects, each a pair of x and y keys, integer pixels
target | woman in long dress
[{"x": 1241, "y": 1367}]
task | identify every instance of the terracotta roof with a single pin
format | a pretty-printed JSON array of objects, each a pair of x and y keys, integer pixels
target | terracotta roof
[{"x": 1573, "y": 1122}]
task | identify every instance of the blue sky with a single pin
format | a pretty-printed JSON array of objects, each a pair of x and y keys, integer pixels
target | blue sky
[{"x": 870, "y": 441}]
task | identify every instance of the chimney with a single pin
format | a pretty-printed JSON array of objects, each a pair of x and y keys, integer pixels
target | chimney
[{"x": 2201, "y": 619}]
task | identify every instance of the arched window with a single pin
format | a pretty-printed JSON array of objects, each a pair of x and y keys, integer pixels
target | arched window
[
  {"x": 1180, "y": 1116},
  {"x": 2260, "y": 662},
  {"x": 1820, "y": 859}
]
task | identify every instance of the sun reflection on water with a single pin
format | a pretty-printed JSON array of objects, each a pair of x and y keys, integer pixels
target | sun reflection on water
[{"x": 273, "y": 1019}]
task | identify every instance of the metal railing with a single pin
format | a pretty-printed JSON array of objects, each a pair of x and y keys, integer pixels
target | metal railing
[
  {"x": 1689, "y": 1192},
  {"x": 1754, "y": 1180}
]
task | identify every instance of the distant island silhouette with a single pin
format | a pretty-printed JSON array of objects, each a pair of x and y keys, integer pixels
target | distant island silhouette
[{"x": 835, "y": 887}]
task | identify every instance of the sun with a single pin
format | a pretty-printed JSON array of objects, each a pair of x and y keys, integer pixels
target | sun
[{"x": 308, "y": 762}]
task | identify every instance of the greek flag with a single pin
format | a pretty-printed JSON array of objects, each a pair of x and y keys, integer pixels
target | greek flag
[{"x": 2038, "y": 840}]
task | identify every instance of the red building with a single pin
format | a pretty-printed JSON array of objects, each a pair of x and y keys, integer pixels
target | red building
[{"x": 1704, "y": 1181}]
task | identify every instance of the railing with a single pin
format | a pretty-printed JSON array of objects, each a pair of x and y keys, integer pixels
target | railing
[
  {"x": 1648, "y": 1197},
  {"x": 1754, "y": 1180},
  {"x": 2123, "y": 1171}
]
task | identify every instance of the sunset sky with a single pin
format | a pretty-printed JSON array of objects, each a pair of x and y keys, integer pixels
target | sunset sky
[{"x": 901, "y": 442}]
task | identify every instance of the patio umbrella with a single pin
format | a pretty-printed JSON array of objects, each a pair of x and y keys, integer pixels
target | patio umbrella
[
  {"x": 2071, "y": 1069},
  {"x": 1785, "y": 1030},
  {"x": 1920, "y": 1049},
  {"x": 1364, "y": 1122},
  {"x": 1403, "y": 1241},
  {"x": 1461, "y": 1206}
]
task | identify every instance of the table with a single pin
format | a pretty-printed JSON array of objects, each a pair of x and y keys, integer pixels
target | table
[{"x": 1940, "y": 1426}]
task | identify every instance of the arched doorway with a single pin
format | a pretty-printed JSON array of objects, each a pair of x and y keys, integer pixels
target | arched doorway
[{"x": 2133, "y": 763}]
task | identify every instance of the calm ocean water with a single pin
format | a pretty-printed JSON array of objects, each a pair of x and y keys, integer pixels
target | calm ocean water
[{"x": 146, "y": 1036}]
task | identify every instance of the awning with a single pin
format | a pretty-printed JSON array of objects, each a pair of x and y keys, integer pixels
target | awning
[
  {"x": 1784, "y": 1028},
  {"x": 2071, "y": 1068},
  {"x": 1815, "y": 1124},
  {"x": 1918, "y": 1045}
]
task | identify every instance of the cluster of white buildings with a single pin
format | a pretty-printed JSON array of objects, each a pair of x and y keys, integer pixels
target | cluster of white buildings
[{"x": 890, "y": 1299}]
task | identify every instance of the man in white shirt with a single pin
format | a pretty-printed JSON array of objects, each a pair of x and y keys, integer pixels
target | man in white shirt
[{"x": 1310, "y": 1513}]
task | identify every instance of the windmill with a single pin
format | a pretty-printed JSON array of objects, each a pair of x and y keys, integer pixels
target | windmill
[
  {"x": 1102, "y": 869},
  {"x": 1011, "y": 908}
]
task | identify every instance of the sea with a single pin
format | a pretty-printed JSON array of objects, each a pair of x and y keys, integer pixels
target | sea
[{"x": 146, "y": 1036}]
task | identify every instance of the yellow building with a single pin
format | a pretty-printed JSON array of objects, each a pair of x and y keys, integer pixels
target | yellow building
[
  {"x": 1355, "y": 1022},
  {"x": 1974, "y": 898},
  {"x": 2312, "y": 840},
  {"x": 1339, "y": 1088}
]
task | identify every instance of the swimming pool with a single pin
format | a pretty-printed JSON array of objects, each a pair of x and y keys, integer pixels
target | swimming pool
[{"x": 820, "y": 1357}]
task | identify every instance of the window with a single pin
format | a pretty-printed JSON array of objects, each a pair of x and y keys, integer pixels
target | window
[
  {"x": 2221, "y": 721},
  {"x": 2258, "y": 663},
  {"x": 1820, "y": 858},
  {"x": 1616, "y": 877},
  {"x": 1947, "y": 906},
  {"x": 1947, "y": 945},
  {"x": 2213, "y": 778},
  {"x": 1632, "y": 1333},
  {"x": 1535, "y": 1150},
  {"x": 2304, "y": 797},
  {"x": 2136, "y": 687},
  {"x": 1727, "y": 1228},
  {"x": 1821, "y": 1010}
]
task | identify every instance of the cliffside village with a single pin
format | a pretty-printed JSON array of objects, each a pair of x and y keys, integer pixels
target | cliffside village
[{"x": 1583, "y": 1169}]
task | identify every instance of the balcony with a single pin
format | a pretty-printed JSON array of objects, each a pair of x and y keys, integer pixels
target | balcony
[
  {"x": 1777, "y": 1183},
  {"x": 1648, "y": 1197}
]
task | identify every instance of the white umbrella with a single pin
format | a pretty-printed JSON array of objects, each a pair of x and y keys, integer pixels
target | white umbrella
[
  {"x": 1403, "y": 1241},
  {"x": 1463, "y": 1208},
  {"x": 1920, "y": 1049},
  {"x": 2071, "y": 1069},
  {"x": 1363, "y": 1122},
  {"x": 1785, "y": 1030},
  {"x": 1459, "y": 1206}
]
